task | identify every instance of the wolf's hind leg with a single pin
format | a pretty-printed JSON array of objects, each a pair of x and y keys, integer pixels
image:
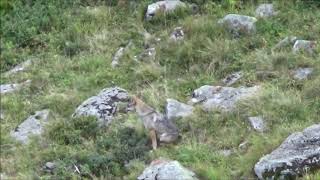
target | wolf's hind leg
[{"x": 153, "y": 137}]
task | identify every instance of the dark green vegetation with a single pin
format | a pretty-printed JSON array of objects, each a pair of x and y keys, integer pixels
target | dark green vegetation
[{"x": 72, "y": 43}]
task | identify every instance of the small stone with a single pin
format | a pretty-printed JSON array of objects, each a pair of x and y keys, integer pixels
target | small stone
[
  {"x": 176, "y": 109},
  {"x": 166, "y": 170},
  {"x": 232, "y": 78},
  {"x": 257, "y": 123},
  {"x": 244, "y": 145},
  {"x": 305, "y": 46},
  {"x": 9, "y": 88},
  {"x": 239, "y": 24},
  {"x": 177, "y": 34},
  {"x": 226, "y": 152},
  {"x": 163, "y": 6},
  {"x": 290, "y": 40},
  {"x": 302, "y": 73},
  {"x": 265, "y": 10},
  {"x": 147, "y": 55}
]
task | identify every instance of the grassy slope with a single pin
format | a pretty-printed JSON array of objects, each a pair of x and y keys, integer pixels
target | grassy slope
[{"x": 61, "y": 82}]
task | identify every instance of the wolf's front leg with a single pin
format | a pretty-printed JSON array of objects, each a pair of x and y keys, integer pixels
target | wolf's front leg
[{"x": 153, "y": 137}]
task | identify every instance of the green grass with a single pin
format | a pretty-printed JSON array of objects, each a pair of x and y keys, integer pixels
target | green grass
[{"x": 72, "y": 55}]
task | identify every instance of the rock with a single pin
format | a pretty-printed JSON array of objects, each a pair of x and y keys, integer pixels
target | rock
[
  {"x": 33, "y": 125},
  {"x": 299, "y": 153},
  {"x": 223, "y": 98},
  {"x": 290, "y": 40},
  {"x": 119, "y": 54},
  {"x": 19, "y": 67},
  {"x": 49, "y": 167},
  {"x": 103, "y": 106},
  {"x": 257, "y": 123},
  {"x": 176, "y": 109},
  {"x": 147, "y": 55},
  {"x": 243, "y": 146},
  {"x": 8, "y": 88},
  {"x": 304, "y": 45},
  {"x": 265, "y": 10},
  {"x": 226, "y": 152},
  {"x": 232, "y": 78},
  {"x": 1, "y": 116},
  {"x": 177, "y": 34},
  {"x": 166, "y": 170},
  {"x": 239, "y": 24},
  {"x": 163, "y": 6},
  {"x": 302, "y": 73}
]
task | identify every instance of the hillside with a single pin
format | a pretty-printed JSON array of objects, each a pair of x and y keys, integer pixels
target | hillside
[{"x": 239, "y": 83}]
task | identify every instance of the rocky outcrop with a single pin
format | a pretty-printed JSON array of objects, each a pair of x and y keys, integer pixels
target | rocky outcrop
[
  {"x": 257, "y": 123},
  {"x": 176, "y": 109},
  {"x": 299, "y": 153},
  {"x": 223, "y": 98},
  {"x": 166, "y": 170},
  {"x": 34, "y": 125},
  {"x": 232, "y": 78},
  {"x": 302, "y": 73},
  {"x": 177, "y": 34},
  {"x": 265, "y": 10},
  {"x": 163, "y": 6},
  {"x": 9, "y": 88},
  {"x": 304, "y": 46},
  {"x": 239, "y": 24},
  {"x": 104, "y": 105}
]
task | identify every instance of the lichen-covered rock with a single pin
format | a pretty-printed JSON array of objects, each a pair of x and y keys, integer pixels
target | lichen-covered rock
[
  {"x": 104, "y": 105},
  {"x": 304, "y": 46},
  {"x": 265, "y": 10},
  {"x": 166, "y": 170},
  {"x": 177, "y": 34},
  {"x": 223, "y": 98},
  {"x": 232, "y": 78},
  {"x": 34, "y": 125},
  {"x": 163, "y": 6},
  {"x": 239, "y": 24},
  {"x": 302, "y": 73},
  {"x": 257, "y": 123},
  {"x": 8, "y": 88},
  {"x": 299, "y": 153},
  {"x": 176, "y": 109},
  {"x": 290, "y": 40},
  {"x": 19, "y": 67}
]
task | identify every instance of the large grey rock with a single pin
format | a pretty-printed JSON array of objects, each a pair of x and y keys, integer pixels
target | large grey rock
[
  {"x": 104, "y": 105},
  {"x": 34, "y": 125},
  {"x": 223, "y": 98},
  {"x": 232, "y": 78},
  {"x": 176, "y": 109},
  {"x": 163, "y": 6},
  {"x": 8, "y": 88},
  {"x": 177, "y": 34},
  {"x": 166, "y": 170},
  {"x": 265, "y": 10},
  {"x": 19, "y": 68},
  {"x": 305, "y": 46},
  {"x": 257, "y": 123},
  {"x": 302, "y": 73},
  {"x": 239, "y": 24},
  {"x": 300, "y": 152},
  {"x": 290, "y": 40}
]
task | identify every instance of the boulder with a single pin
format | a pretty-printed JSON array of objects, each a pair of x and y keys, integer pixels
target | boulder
[
  {"x": 232, "y": 78},
  {"x": 163, "y": 6},
  {"x": 177, "y": 34},
  {"x": 265, "y": 10},
  {"x": 302, "y": 73},
  {"x": 223, "y": 98},
  {"x": 176, "y": 109},
  {"x": 298, "y": 154},
  {"x": 304, "y": 46},
  {"x": 239, "y": 24},
  {"x": 9, "y": 88},
  {"x": 257, "y": 123},
  {"x": 166, "y": 170},
  {"x": 290, "y": 40},
  {"x": 104, "y": 105},
  {"x": 33, "y": 125},
  {"x": 19, "y": 68}
]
